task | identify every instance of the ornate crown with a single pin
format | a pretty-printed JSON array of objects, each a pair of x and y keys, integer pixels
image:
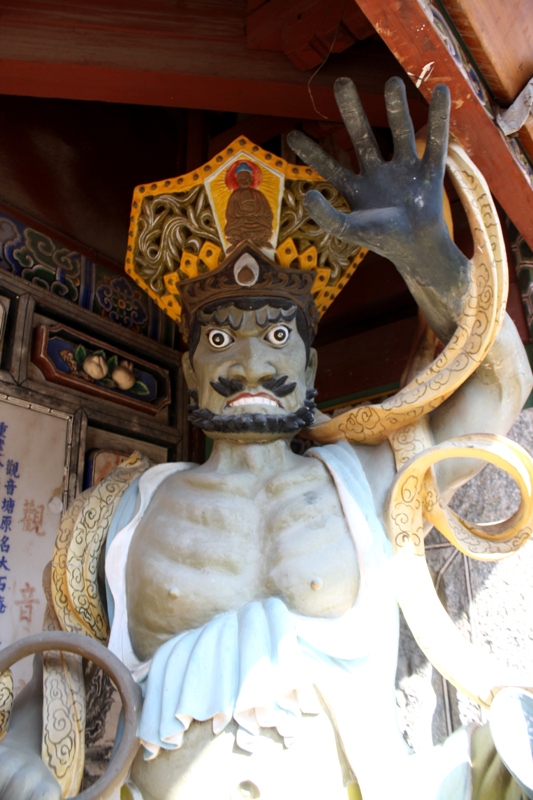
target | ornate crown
[
  {"x": 184, "y": 228},
  {"x": 248, "y": 273}
]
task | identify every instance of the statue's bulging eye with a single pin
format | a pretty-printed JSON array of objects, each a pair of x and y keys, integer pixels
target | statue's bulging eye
[
  {"x": 278, "y": 336},
  {"x": 219, "y": 339}
]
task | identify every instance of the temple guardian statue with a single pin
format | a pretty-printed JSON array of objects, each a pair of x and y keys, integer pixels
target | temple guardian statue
[{"x": 254, "y": 598}]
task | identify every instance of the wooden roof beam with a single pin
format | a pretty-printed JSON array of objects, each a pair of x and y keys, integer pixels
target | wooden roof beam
[
  {"x": 180, "y": 54},
  {"x": 306, "y": 30},
  {"x": 48, "y": 52}
]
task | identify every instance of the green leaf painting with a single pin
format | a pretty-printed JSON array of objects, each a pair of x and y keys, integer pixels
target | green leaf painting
[
  {"x": 139, "y": 388},
  {"x": 80, "y": 354}
]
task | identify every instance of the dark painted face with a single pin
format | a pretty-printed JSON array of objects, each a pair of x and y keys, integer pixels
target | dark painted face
[
  {"x": 244, "y": 178},
  {"x": 238, "y": 373}
]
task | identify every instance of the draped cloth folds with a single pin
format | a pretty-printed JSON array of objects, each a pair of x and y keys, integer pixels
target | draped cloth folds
[{"x": 244, "y": 665}]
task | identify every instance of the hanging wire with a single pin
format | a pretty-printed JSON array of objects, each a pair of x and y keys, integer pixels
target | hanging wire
[{"x": 317, "y": 70}]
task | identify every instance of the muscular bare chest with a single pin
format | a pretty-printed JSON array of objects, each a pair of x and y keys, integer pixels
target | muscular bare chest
[{"x": 209, "y": 544}]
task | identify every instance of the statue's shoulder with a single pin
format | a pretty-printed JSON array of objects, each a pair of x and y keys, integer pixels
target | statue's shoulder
[{"x": 372, "y": 466}]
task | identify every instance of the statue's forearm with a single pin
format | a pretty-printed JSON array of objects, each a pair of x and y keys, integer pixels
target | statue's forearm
[{"x": 437, "y": 274}]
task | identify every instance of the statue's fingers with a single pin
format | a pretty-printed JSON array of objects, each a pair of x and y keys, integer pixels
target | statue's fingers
[
  {"x": 317, "y": 158},
  {"x": 357, "y": 124},
  {"x": 322, "y": 212},
  {"x": 438, "y": 126},
  {"x": 399, "y": 118}
]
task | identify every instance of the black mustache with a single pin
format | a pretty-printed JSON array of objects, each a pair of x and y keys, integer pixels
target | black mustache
[
  {"x": 278, "y": 386},
  {"x": 227, "y": 386}
]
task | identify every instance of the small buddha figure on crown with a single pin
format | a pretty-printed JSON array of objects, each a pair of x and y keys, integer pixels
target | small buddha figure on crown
[{"x": 248, "y": 215}]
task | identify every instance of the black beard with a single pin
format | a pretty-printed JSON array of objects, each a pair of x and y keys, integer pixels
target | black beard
[{"x": 255, "y": 423}]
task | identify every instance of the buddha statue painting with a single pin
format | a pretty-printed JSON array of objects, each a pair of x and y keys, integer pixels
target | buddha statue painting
[{"x": 248, "y": 214}]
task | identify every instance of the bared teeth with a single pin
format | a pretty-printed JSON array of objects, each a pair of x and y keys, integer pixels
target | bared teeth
[{"x": 251, "y": 400}]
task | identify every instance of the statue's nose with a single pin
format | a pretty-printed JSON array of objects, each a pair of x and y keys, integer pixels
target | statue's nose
[{"x": 252, "y": 363}]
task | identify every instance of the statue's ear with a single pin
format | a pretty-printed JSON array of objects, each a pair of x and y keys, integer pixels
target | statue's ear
[
  {"x": 188, "y": 372},
  {"x": 310, "y": 372}
]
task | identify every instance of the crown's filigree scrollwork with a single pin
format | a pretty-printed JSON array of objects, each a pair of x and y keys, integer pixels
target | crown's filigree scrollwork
[
  {"x": 333, "y": 261},
  {"x": 168, "y": 225},
  {"x": 296, "y": 224}
]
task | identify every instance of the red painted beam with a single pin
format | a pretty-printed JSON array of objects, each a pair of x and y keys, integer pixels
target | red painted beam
[
  {"x": 407, "y": 30},
  {"x": 243, "y": 94},
  {"x": 306, "y": 30},
  {"x": 156, "y": 54},
  {"x": 182, "y": 90}
]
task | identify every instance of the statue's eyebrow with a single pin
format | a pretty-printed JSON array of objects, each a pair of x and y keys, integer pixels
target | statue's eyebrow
[
  {"x": 227, "y": 316},
  {"x": 232, "y": 317},
  {"x": 272, "y": 315}
]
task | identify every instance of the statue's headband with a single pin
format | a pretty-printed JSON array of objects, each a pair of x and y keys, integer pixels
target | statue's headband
[
  {"x": 183, "y": 229},
  {"x": 247, "y": 273}
]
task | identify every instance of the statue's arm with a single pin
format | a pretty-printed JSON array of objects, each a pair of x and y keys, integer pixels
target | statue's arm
[
  {"x": 397, "y": 205},
  {"x": 396, "y": 211}
]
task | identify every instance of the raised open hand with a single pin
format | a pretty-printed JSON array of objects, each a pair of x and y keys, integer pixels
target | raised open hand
[
  {"x": 396, "y": 205},
  {"x": 392, "y": 202}
]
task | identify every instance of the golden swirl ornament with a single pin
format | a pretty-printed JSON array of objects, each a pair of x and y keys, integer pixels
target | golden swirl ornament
[
  {"x": 78, "y": 609},
  {"x": 412, "y": 498}
]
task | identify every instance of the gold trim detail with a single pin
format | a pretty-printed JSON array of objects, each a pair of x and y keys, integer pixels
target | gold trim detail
[
  {"x": 75, "y": 565},
  {"x": 63, "y": 742},
  {"x": 412, "y": 498}
]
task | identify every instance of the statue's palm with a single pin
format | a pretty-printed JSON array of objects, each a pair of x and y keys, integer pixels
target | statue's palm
[{"x": 396, "y": 203}]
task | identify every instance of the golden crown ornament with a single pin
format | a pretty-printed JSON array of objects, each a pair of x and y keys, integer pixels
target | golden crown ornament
[{"x": 182, "y": 229}]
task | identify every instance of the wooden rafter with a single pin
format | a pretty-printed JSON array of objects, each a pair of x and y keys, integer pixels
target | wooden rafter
[
  {"x": 499, "y": 36},
  {"x": 306, "y": 30}
]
